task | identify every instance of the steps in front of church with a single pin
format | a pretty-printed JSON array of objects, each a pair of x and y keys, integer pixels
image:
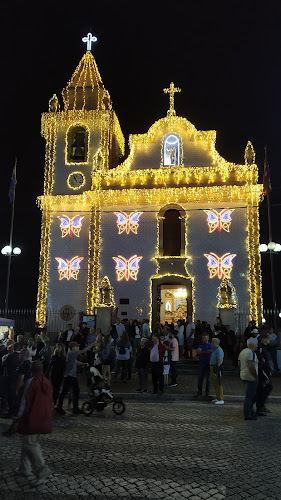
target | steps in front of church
[{"x": 191, "y": 367}]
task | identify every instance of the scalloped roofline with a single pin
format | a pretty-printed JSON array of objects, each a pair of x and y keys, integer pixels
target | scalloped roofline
[{"x": 207, "y": 136}]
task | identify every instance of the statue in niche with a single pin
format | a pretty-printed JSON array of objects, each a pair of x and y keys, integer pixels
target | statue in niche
[
  {"x": 54, "y": 104},
  {"x": 173, "y": 155},
  {"x": 77, "y": 147},
  {"x": 171, "y": 150}
]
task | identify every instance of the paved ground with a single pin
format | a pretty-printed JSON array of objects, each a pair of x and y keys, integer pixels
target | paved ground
[
  {"x": 176, "y": 450},
  {"x": 187, "y": 385}
]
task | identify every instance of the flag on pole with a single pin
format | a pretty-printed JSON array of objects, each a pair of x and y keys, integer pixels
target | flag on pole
[
  {"x": 266, "y": 176},
  {"x": 13, "y": 183}
]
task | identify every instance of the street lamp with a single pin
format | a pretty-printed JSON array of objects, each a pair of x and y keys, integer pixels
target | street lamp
[
  {"x": 9, "y": 252},
  {"x": 272, "y": 248}
]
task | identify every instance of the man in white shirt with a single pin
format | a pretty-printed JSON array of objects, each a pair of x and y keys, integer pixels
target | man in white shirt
[
  {"x": 248, "y": 364},
  {"x": 189, "y": 336},
  {"x": 180, "y": 335},
  {"x": 119, "y": 327}
]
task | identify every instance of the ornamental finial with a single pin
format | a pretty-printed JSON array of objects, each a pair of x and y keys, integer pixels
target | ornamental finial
[
  {"x": 171, "y": 90},
  {"x": 249, "y": 155}
]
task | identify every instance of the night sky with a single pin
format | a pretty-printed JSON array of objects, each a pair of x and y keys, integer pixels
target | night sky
[{"x": 225, "y": 56}]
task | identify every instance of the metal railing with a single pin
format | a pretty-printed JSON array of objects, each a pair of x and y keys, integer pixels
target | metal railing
[{"x": 25, "y": 319}]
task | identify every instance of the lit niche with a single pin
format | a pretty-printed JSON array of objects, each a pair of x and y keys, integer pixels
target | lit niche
[
  {"x": 128, "y": 222},
  {"x": 70, "y": 225},
  {"x": 126, "y": 269},
  {"x": 219, "y": 220},
  {"x": 220, "y": 266},
  {"x": 68, "y": 268},
  {"x": 171, "y": 150}
]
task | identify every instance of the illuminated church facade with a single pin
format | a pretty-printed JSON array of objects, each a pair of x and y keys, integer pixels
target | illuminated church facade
[{"x": 171, "y": 231}]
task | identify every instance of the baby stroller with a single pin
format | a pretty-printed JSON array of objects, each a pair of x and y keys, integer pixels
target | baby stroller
[{"x": 100, "y": 395}]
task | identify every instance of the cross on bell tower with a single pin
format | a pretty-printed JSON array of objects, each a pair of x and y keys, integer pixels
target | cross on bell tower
[
  {"x": 171, "y": 90},
  {"x": 89, "y": 39}
]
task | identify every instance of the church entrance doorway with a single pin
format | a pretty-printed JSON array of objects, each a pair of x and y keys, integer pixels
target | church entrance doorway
[
  {"x": 173, "y": 303},
  {"x": 171, "y": 299}
]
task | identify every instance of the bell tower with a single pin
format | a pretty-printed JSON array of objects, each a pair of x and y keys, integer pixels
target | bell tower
[{"x": 83, "y": 137}]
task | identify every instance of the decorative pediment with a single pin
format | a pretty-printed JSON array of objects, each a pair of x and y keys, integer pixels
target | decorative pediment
[{"x": 174, "y": 153}]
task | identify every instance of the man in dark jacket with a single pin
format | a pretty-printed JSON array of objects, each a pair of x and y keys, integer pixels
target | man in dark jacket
[
  {"x": 35, "y": 418},
  {"x": 11, "y": 365},
  {"x": 264, "y": 373}
]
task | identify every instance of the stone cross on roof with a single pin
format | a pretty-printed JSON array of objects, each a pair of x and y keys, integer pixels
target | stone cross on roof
[{"x": 171, "y": 90}]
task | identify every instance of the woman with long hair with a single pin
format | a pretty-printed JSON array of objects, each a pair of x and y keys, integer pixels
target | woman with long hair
[
  {"x": 123, "y": 354},
  {"x": 56, "y": 369}
]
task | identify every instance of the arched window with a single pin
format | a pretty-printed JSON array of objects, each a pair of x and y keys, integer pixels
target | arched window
[
  {"x": 168, "y": 306},
  {"x": 77, "y": 144},
  {"x": 171, "y": 150},
  {"x": 172, "y": 233}
]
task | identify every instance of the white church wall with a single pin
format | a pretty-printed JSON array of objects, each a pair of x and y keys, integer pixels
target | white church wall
[
  {"x": 68, "y": 292},
  {"x": 143, "y": 244},
  {"x": 201, "y": 242}
]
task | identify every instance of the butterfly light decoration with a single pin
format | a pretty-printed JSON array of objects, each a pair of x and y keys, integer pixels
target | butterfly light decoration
[
  {"x": 219, "y": 220},
  {"x": 69, "y": 268},
  {"x": 128, "y": 222},
  {"x": 127, "y": 268},
  {"x": 220, "y": 266},
  {"x": 70, "y": 226}
]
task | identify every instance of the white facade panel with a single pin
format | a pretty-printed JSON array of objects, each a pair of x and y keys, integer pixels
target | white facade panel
[{"x": 63, "y": 291}]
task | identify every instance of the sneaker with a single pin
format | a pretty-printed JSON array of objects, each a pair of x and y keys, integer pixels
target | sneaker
[
  {"x": 214, "y": 400},
  {"x": 8, "y": 433},
  {"x": 41, "y": 478},
  {"x": 143, "y": 392},
  {"x": 266, "y": 410},
  {"x": 219, "y": 403},
  {"x": 173, "y": 385},
  {"x": 138, "y": 390},
  {"x": 77, "y": 411},
  {"x": 22, "y": 472},
  {"x": 60, "y": 411},
  {"x": 261, "y": 414}
]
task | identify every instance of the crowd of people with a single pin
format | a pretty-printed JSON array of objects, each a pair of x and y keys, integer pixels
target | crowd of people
[{"x": 50, "y": 369}]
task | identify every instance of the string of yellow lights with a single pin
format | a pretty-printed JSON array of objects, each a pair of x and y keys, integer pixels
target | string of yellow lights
[{"x": 43, "y": 270}]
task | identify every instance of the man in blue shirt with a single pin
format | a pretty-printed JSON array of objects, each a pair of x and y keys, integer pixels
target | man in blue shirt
[
  {"x": 215, "y": 367},
  {"x": 204, "y": 352}
]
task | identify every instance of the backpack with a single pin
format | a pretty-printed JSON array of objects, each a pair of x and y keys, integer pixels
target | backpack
[{"x": 122, "y": 349}]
